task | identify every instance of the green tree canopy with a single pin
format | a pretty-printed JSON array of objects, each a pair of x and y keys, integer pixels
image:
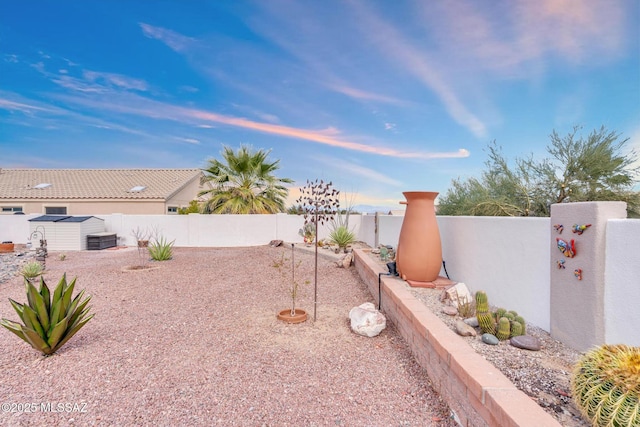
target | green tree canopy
[
  {"x": 244, "y": 183},
  {"x": 579, "y": 170}
]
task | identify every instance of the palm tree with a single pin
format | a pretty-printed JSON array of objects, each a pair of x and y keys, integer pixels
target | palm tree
[{"x": 244, "y": 183}]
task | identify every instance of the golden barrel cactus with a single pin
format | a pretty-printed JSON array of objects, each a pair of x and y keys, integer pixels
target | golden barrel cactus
[{"x": 606, "y": 386}]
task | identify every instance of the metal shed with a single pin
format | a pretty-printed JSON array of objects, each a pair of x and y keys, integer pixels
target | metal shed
[{"x": 63, "y": 232}]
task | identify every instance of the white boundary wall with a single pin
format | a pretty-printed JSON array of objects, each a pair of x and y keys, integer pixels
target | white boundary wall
[
  {"x": 622, "y": 282},
  {"x": 506, "y": 257}
]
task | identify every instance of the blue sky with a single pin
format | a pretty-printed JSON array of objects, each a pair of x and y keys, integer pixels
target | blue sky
[{"x": 379, "y": 97}]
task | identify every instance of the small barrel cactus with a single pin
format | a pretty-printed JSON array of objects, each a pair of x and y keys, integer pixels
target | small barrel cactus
[
  {"x": 509, "y": 316},
  {"x": 504, "y": 329},
  {"x": 486, "y": 322},
  {"x": 482, "y": 302},
  {"x": 500, "y": 312},
  {"x": 513, "y": 312},
  {"x": 516, "y": 328},
  {"x": 520, "y": 320},
  {"x": 606, "y": 385}
]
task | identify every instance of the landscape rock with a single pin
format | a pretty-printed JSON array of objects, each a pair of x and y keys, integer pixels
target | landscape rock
[
  {"x": 275, "y": 243},
  {"x": 472, "y": 321},
  {"x": 345, "y": 261},
  {"x": 366, "y": 320},
  {"x": 464, "y": 329},
  {"x": 450, "y": 311},
  {"x": 490, "y": 339},
  {"x": 526, "y": 342},
  {"x": 458, "y": 294}
]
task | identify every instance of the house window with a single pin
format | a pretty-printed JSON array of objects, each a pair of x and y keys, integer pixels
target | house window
[
  {"x": 11, "y": 209},
  {"x": 172, "y": 209},
  {"x": 55, "y": 210}
]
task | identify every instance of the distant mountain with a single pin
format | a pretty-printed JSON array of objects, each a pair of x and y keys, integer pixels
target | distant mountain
[{"x": 371, "y": 209}]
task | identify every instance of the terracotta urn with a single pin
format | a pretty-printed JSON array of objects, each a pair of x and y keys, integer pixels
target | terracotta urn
[
  {"x": 419, "y": 253},
  {"x": 299, "y": 317}
]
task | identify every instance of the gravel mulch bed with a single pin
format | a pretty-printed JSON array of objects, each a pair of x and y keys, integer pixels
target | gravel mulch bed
[
  {"x": 543, "y": 375},
  {"x": 196, "y": 342}
]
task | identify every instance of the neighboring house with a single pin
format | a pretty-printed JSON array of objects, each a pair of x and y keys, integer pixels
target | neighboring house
[{"x": 98, "y": 191}]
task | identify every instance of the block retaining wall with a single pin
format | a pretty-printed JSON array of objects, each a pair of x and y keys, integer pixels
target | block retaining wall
[{"x": 478, "y": 393}]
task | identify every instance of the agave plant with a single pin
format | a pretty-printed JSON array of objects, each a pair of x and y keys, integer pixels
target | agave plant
[
  {"x": 342, "y": 236},
  {"x": 31, "y": 270},
  {"x": 49, "y": 320},
  {"x": 161, "y": 249}
]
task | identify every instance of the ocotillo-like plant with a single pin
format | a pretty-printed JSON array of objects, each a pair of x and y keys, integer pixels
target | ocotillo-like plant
[{"x": 319, "y": 203}]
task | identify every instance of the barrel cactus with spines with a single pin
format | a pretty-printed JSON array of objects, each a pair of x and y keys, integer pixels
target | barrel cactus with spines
[
  {"x": 482, "y": 302},
  {"x": 500, "y": 312},
  {"x": 516, "y": 329},
  {"x": 606, "y": 385},
  {"x": 513, "y": 312},
  {"x": 486, "y": 322},
  {"x": 509, "y": 316},
  {"x": 520, "y": 320},
  {"x": 485, "y": 318},
  {"x": 504, "y": 329}
]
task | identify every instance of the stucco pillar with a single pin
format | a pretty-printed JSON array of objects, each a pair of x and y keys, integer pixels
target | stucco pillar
[{"x": 577, "y": 270}]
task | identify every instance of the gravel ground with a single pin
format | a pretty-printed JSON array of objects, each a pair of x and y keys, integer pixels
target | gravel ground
[
  {"x": 196, "y": 342},
  {"x": 544, "y": 375}
]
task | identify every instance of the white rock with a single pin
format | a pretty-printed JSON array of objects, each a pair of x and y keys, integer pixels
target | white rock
[
  {"x": 345, "y": 261},
  {"x": 366, "y": 320},
  {"x": 458, "y": 294}
]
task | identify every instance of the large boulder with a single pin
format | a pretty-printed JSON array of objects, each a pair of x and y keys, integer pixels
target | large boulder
[{"x": 366, "y": 320}]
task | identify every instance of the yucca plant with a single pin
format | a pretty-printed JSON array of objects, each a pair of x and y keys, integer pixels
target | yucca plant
[
  {"x": 49, "y": 320},
  {"x": 342, "y": 236},
  {"x": 161, "y": 249},
  {"x": 606, "y": 385}
]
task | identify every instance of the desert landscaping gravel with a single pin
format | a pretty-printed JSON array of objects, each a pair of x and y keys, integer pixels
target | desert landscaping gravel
[{"x": 196, "y": 341}]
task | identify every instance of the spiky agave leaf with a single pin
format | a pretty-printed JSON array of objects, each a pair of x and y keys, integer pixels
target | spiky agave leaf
[
  {"x": 49, "y": 320},
  {"x": 39, "y": 306},
  {"x": 72, "y": 330},
  {"x": 45, "y": 293},
  {"x": 14, "y": 327}
]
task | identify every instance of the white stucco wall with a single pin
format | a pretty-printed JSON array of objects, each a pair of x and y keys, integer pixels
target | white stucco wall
[
  {"x": 506, "y": 257},
  {"x": 622, "y": 282}
]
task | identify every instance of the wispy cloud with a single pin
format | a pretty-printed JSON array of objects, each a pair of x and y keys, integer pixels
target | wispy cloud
[
  {"x": 266, "y": 117},
  {"x": 116, "y": 80},
  {"x": 318, "y": 137},
  {"x": 174, "y": 40},
  {"x": 187, "y": 140},
  {"x": 355, "y": 169},
  {"x": 365, "y": 95},
  {"x": 519, "y": 39},
  {"x": 131, "y": 104},
  {"x": 400, "y": 49},
  {"x": 9, "y": 105}
]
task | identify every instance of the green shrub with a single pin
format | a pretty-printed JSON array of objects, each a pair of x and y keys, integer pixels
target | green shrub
[
  {"x": 161, "y": 249},
  {"x": 606, "y": 385},
  {"x": 49, "y": 320}
]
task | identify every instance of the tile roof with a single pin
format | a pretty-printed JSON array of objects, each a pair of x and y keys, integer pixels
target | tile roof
[{"x": 94, "y": 183}]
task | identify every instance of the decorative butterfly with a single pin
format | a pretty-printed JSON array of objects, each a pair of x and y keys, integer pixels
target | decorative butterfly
[{"x": 567, "y": 249}]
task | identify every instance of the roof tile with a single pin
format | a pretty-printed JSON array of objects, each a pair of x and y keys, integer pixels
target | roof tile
[{"x": 94, "y": 183}]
